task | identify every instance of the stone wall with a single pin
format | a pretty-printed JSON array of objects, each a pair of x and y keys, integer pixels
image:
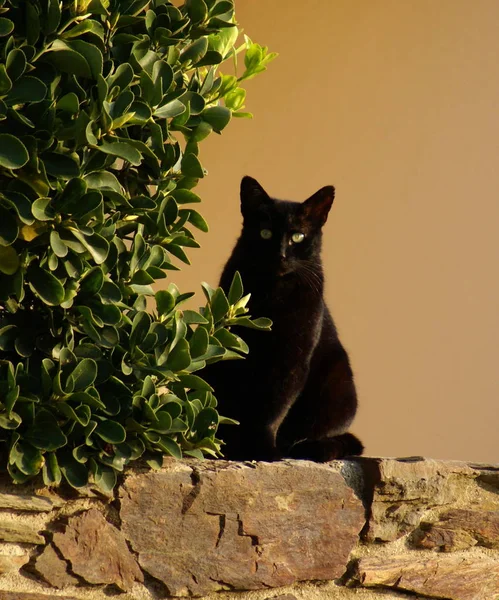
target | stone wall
[{"x": 365, "y": 529}]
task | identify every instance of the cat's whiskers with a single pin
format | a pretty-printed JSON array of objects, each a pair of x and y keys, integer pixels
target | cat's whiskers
[{"x": 308, "y": 271}]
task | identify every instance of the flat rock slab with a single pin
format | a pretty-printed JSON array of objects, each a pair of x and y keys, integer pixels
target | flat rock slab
[
  {"x": 458, "y": 529},
  {"x": 98, "y": 551},
  {"x": 28, "y": 596},
  {"x": 28, "y": 503},
  {"x": 17, "y": 531},
  {"x": 237, "y": 525},
  {"x": 53, "y": 569},
  {"x": 405, "y": 490},
  {"x": 444, "y": 576}
]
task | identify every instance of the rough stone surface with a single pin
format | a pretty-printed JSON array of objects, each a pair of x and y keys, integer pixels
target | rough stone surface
[
  {"x": 404, "y": 491},
  {"x": 27, "y": 503},
  {"x": 11, "y": 563},
  {"x": 460, "y": 528},
  {"x": 29, "y": 596},
  {"x": 18, "y": 531},
  {"x": 256, "y": 531},
  {"x": 98, "y": 551},
  {"x": 444, "y": 576},
  {"x": 232, "y": 525},
  {"x": 53, "y": 569}
]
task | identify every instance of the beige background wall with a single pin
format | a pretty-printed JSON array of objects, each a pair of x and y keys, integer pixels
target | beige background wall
[{"x": 395, "y": 102}]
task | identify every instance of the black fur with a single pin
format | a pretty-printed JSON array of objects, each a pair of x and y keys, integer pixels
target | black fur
[{"x": 294, "y": 395}]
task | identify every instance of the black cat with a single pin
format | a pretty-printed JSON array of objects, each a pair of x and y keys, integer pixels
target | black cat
[{"x": 294, "y": 395}]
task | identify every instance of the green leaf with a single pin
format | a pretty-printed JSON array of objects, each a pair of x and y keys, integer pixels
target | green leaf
[
  {"x": 196, "y": 219},
  {"x": 261, "y": 323},
  {"x": 235, "y": 99},
  {"x": 71, "y": 195},
  {"x": 27, "y": 89},
  {"x": 45, "y": 433},
  {"x": 69, "y": 103},
  {"x": 229, "y": 340},
  {"x": 60, "y": 165},
  {"x": 53, "y": 17},
  {"x": 236, "y": 289},
  {"x": 165, "y": 302},
  {"x": 86, "y": 26},
  {"x": 197, "y": 10},
  {"x": 5, "y": 81},
  {"x": 122, "y": 150},
  {"x": 199, "y": 342},
  {"x": 195, "y": 51},
  {"x": 192, "y": 317},
  {"x": 51, "y": 472},
  {"x": 206, "y": 422},
  {"x": 242, "y": 115},
  {"x": 9, "y": 260},
  {"x": 219, "y": 305},
  {"x": 58, "y": 246},
  {"x": 217, "y": 116},
  {"x": 121, "y": 78},
  {"x": 179, "y": 358},
  {"x": 111, "y": 431},
  {"x": 26, "y": 457},
  {"x": 75, "y": 473},
  {"x": 95, "y": 244},
  {"x": 140, "y": 327},
  {"x": 83, "y": 375},
  {"x": 170, "y": 446},
  {"x": 67, "y": 59},
  {"x": 11, "y": 421},
  {"x": 170, "y": 110},
  {"x": 92, "y": 55},
  {"x": 191, "y": 167},
  {"x": 16, "y": 63},
  {"x": 92, "y": 281},
  {"x": 13, "y": 153},
  {"x": 185, "y": 196},
  {"x": 6, "y": 27},
  {"x": 211, "y": 57},
  {"x": 201, "y": 132},
  {"x": 103, "y": 180},
  {"x": 9, "y": 229},
  {"x": 163, "y": 423},
  {"x": 45, "y": 285},
  {"x": 104, "y": 477},
  {"x": 221, "y": 8},
  {"x": 195, "y": 383}
]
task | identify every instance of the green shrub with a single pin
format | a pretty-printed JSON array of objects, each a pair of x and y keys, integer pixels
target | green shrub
[{"x": 95, "y": 200}]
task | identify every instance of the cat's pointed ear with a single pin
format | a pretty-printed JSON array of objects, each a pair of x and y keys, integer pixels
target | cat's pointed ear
[
  {"x": 252, "y": 195},
  {"x": 316, "y": 208}
]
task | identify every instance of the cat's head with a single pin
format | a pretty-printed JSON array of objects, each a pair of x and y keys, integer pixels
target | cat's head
[{"x": 283, "y": 236}]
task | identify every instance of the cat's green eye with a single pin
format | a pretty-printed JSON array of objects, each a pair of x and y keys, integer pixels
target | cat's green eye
[
  {"x": 298, "y": 237},
  {"x": 266, "y": 234}
]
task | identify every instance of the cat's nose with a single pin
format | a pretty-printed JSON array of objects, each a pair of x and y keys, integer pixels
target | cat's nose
[{"x": 283, "y": 251}]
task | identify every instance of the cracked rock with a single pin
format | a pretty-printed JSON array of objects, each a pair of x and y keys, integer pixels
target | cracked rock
[
  {"x": 98, "y": 551},
  {"x": 458, "y": 529},
  {"x": 235, "y": 526},
  {"x": 443, "y": 576},
  {"x": 53, "y": 569},
  {"x": 405, "y": 490}
]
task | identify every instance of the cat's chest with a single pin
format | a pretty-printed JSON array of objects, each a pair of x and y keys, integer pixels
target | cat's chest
[{"x": 295, "y": 316}]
